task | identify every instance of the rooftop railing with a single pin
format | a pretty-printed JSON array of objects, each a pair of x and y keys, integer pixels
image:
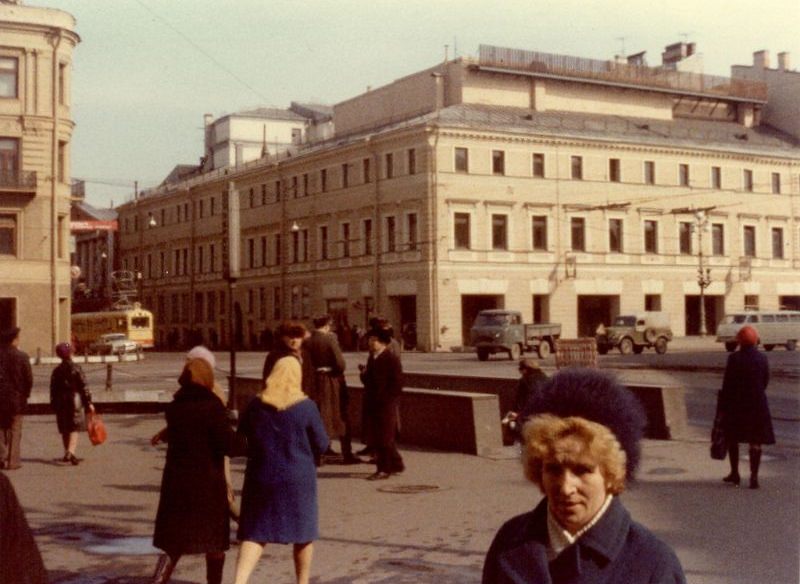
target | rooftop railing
[{"x": 624, "y": 73}]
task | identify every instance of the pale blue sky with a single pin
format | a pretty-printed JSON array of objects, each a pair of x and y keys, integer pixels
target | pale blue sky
[{"x": 147, "y": 70}]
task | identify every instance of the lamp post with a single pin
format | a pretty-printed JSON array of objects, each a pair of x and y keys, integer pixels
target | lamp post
[
  {"x": 703, "y": 273},
  {"x": 231, "y": 241}
]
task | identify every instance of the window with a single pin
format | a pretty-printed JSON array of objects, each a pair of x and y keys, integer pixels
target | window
[
  {"x": 367, "y": 235},
  {"x": 652, "y": 302},
  {"x": 747, "y": 180},
  {"x": 651, "y": 236},
  {"x": 777, "y": 243},
  {"x": 297, "y": 135},
  {"x": 264, "y": 256},
  {"x": 391, "y": 234},
  {"x": 345, "y": 176},
  {"x": 749, "y": 236},
  {"x": 412, "y": 161},
  {"x": 323, "y": 242},
  {"x": 323, "y": 180},
  {"x": 164, "y": 213},
  {"x": 251, "y": 198},
  {"x": 198, "y": 306},
  {"x": 9, "y": 75},
  {"x": 614, "y": 170},
  {"x": 683, "y": 175},
  {"x": 8, "y": 234},
  {"x": 263, "y": 197},
  {"x": 389, "y": 164},
  {"x": 461, "y": 230},
  {"x": 201, "y": 208},
  {"x": 776, "y": 183},
  {"x": 276, "y": 303},
  {"x": 365, "y": 164},
  {"x": 346, "y": 240},
  {"x": 576, "y": 165},
  {"x": 262, "y": 303},
  {"x": 251, "y": 252},
  {"x": 462, "y": 160},
  {"x": 295, "y": 190},
  {"x": 717, "y": 239},
  {"x": 295, "y": 246},
  {"x": 211, "y": 307},
  {"x": 411, "y": 231},
  {"x": 538, "y": 165},
  {"x": 615, "y": 235},
  {"x": 278, "y": 250},
  {"x": 500, "y": 232},
  {"x": 201, "y": 268},
  {"x": 539, "y": 232},
  {"x": 62, "y": 161},
  {"x": 578, "y": 233},
  {"x": 498, "y": 162},
  {"x": 685, "y": 237},
  {"x": 716, "y": 177},
  {"x": 62, "y": 83},
  {"x": 9, "y": 161},
  {"x": 649, "y": 172},
  {"x": 304, "y": 239}
]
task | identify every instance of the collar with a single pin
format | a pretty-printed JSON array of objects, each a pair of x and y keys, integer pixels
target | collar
[{"x": 560, "y": 539}]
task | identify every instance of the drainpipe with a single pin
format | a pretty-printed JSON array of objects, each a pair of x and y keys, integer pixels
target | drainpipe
[
  {"x": 55, "y": 41},
  {"x": 433, "y": 237},
  {"x": 376, "y": 272}
]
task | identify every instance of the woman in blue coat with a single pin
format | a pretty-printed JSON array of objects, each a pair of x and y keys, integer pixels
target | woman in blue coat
[
  {"x": 285, "y": 437},
  {"x": 743, "y": 403}
]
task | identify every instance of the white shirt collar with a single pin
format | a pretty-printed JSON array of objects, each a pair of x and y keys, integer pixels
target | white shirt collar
[{"x": 560, "y": 539}]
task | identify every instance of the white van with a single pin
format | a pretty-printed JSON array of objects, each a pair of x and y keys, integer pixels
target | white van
[{"x": 774, "y": 327}]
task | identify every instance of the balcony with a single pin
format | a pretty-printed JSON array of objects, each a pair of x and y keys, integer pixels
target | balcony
[
  {"x": 18, "y": 181},
  {"x": 621, "y": 74}
]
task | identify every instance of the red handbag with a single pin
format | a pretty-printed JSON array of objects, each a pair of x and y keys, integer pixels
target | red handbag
[{"x": 96, "y": 428}]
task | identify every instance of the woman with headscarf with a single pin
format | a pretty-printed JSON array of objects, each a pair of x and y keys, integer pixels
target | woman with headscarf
[
  {"x": 285, "y": 436},
  {"x": 743, "y": 404},
  {"x": 70, "y": 399},
  {"x": 192, "y": 515}
]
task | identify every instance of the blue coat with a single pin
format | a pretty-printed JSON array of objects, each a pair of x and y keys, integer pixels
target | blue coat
[
  {"x": 743, "y": 399},
  {"x": 279, "y": 497},
  {"x": 614, "y": 551}
]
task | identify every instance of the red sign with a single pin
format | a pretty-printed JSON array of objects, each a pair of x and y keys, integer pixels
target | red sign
[{"x": 93, "y": 225}]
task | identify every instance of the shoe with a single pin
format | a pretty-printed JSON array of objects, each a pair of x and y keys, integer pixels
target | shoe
[
  {"x": 733, "y": 479},
  {"x": 366, "y": 451},
  {"x": 351, "y": 460},
  {"x": 378, "y": 476},
  {"x": 74, "y": 460},
  {"x": 754, "y": 484},
  {"x": 66, "y": 457}
]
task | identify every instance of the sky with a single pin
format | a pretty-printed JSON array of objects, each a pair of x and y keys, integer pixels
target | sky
[{"x": 146, "y": 71}]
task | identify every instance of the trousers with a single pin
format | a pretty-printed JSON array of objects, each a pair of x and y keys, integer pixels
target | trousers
[{"x": 10, "y": 439}]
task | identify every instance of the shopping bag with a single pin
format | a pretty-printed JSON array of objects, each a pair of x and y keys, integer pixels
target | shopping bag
[{"x": 96, "y": 428}]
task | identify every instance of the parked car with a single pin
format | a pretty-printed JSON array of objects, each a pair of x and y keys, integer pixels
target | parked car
[
  {"x": 633, "y": 333},
  {"x": 502, "y": 331},
  {"x": 113, "y": 344},
  {"x": 774, "y": 327}
]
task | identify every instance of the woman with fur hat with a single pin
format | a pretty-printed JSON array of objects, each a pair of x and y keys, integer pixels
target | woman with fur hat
[
  {"x": 743, "y": 404},
  {"x": 70, "y": 399},
  {"x": 285, "y": 437},
  {"x": 192, "y": 515},
  {"x": 580, "y": 448}
]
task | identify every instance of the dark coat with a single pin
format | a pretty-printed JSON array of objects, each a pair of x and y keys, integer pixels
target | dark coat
[
  {"x": 616, "y": 550},
  {"x": 743, "y": 399},
  {"x": 321, "y": 351},
  {"x": 193, "y": 509},
  {"x": 383, "y": 384},
  {"x": 69, "y": 396},
  {"x": 20, "y": 560},
  {"x": 17, "y": 383},
  {"x": 528, "y": 387}
]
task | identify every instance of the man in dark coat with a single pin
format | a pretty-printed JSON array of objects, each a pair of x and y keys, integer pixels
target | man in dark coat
[
  {"x": 383, "y": 384},
  {"x": 14, "y": 393},
  {"x": 20, "y": 560},
  {"x": 743, "y": 403}
]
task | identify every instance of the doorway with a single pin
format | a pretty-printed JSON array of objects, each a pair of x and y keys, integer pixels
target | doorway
[
  {"x": 8, "y": 313},
  {"x": 595, "y": 310},
  {"x": 471, "y": 305},
  {"x": 714, "y": 306}
]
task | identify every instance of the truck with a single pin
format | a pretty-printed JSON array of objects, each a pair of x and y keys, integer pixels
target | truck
[
  {"x": 633, "y": 333},
  {"x": 502, "y": 331}
]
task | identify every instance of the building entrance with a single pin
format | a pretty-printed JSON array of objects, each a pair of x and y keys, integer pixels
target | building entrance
[
  {"x": 471, "y": 305},
  {"x": 715, "y": 309},
  {"x": 595, "y": 310},
  {"x": 8, "y": 313}
]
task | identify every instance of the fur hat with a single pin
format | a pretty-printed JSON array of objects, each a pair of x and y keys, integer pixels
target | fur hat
[
  {"x": 596, "y": 396},
  {"x": 64, "y": 350},
  {"x": 8, "y": 335},
  {"x": 200, "y": 352},
  {"x": 747, "y": 336}
]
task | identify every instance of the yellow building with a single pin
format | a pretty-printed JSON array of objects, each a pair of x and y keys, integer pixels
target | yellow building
[
  {"x": 36, "y": 46},
  {"x": 570, "y": 189}
]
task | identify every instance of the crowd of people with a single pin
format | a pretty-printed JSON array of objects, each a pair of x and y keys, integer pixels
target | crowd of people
[{"x": 579, "y": 432}]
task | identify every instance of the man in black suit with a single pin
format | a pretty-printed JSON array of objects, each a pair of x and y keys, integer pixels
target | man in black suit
[{"x": 15, "y": 389}]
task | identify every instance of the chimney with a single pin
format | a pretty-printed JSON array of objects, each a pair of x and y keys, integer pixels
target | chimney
[
  {"x": 761, "y": 59},
  {"x": 784, "y": 62}
]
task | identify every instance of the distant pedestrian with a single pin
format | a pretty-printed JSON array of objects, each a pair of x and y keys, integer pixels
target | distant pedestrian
[
  {"x": 15, "y": 389},
  {"x": 579, "y": 449},
  {"x": 71, "y": 399},
  {"x": 743, "y": 404},
  {"x": 528, "y": 387},
  {"x": 285, "y": 437},
  {"x": 383, "y": 384},
  {"x": 193, "y": 509},
  {"x": 288, "y": 339},
  {"x": 20, "y": 560}
]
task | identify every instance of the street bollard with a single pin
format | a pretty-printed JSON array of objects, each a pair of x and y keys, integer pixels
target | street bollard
[
  {"x": 108, "y": 376},
  {"x": 38, "y": 355}
]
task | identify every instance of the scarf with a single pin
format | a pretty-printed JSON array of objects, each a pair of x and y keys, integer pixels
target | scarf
[{"x": 283, "y": 386}]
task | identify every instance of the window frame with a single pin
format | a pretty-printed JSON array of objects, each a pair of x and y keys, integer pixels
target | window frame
[
  {"x": 576, "y": 167},
  {"x": 616, "y": 224},
  {"x": 685, "y": 230},
  {"x": 539, "y": 227},
  {"x": 461, "y": 159},
  {"x": 777, "y": 246},
  {"x": 749, "y": 241},
  {"x": 614, "y": 170},
  {"x": 577, "y": 234},
  {"x": 12, "y": 75},
  {"x": 462, "y": 227},
  {"x": 650, "y": 236},
  {"x": 499, "y": 231},
  {"x": 499, "y": 162},
  {"x": 649, "y": 172}
]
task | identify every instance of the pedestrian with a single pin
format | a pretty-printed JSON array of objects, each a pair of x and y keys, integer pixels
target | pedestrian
[
  {"x": 15, "y": 389},
  {"x": 743, "y": 404},
  {"x": 285, "y": 437},
  {"x": 383, "y": 384},
  {"x": 528, "y": 387},
  {"x": 326, "y": 366},
  {"x": 70, "y": 399},
  {"x": 288, "y": 339},
  {"x": 20, "y": 560},
  {"x": 193, "y": 510},
  {"x": 580, "y": 449}
]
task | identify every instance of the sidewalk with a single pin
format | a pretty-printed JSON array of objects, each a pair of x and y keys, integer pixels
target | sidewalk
[{"x": 432, "y": 524}]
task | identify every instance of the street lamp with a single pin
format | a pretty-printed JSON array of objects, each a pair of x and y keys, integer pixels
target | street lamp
[{"x": 703, "y": 273}]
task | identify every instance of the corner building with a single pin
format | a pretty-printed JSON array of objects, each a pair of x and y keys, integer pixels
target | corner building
[
  {"x": 36, "y": 47},
  {"x": 570, "y": 189}
]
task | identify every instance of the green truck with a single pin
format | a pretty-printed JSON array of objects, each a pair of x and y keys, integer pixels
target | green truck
[{"x": 502, "y": 331}]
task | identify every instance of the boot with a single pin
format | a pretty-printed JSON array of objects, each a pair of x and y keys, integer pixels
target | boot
[
  {"x": 214, "y": 565},
  {"x": 733, "y": 456},
  {"x": 755, "y": 462},
  {"x": 164, "y": 568}
]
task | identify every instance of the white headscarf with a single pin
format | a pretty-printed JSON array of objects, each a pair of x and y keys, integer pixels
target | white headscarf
[{"x": 283, "y": 388}]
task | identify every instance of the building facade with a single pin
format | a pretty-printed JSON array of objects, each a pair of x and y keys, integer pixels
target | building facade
[
  {"x": 570, "y": 189},
  {"x": 36, "y": 48}
]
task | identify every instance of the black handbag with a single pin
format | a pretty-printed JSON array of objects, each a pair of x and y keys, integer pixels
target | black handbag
[{"x": 719, "y": 446}]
